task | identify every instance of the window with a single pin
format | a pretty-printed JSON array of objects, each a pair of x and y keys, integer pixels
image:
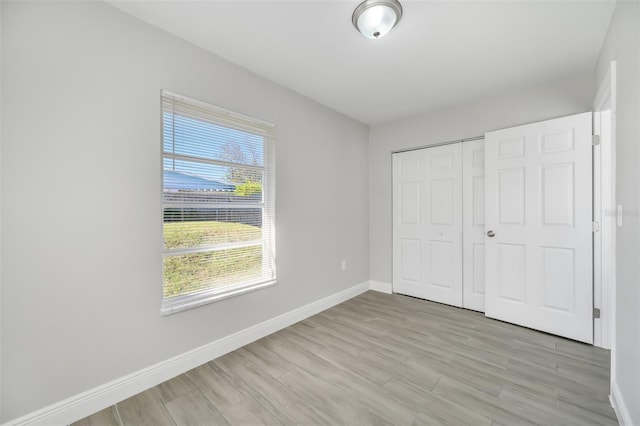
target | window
[{"x": 218, "y": 203}]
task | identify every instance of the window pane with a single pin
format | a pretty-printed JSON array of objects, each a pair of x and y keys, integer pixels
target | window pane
[
  {"x": 216, "y": 173},
  {"x": 192, "y": 182},
  {"x": 193, "y": 137},
  {"x": 217, "y": 203},
  {"x": 190, "y": 273},
  {"x": 194, "y": 228}
]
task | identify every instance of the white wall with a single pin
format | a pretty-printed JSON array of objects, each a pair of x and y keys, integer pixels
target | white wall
[
  {"x": 81, "y": 188},
  {"x": 564, "y": 96},
  {"x": 623, "y": 45}
]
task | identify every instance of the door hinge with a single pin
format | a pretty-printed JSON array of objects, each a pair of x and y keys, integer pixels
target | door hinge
[
  {"x": 596, "y": 312},
  {"x": 595, "y": 140},
  {"x": 595, "y": 226}
]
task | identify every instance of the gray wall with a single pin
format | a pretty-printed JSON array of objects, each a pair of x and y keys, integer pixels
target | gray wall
[
  {"x": 623, "y": 45},
  {"x": 565, "y": 96},
  {"x": 81, "y": 276}
]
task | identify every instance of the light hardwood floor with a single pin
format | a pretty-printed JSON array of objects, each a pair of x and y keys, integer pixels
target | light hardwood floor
[{"x": 386, "y": 359}]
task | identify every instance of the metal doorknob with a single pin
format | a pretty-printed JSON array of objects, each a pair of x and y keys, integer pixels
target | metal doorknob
[{"x": 491, "y": 234}]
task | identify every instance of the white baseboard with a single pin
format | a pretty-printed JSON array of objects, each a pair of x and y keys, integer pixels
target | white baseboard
[
  {"x": 96, "y": 399},
  {"x": 619, "y": 406},
  {"x": 381, "y": 287}
]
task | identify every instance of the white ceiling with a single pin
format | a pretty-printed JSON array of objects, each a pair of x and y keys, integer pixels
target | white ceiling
[{"x": 441, "y": 52}]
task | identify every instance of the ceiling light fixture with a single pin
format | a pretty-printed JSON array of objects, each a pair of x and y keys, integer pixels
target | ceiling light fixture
[{"x": 375, "y": 18}]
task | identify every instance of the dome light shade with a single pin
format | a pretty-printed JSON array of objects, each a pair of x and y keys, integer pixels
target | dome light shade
[{"x": 375, "y": 18}]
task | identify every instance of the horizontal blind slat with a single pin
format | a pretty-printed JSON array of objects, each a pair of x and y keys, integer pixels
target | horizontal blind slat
[
  {"x": 211, "y": 161},
  {"x": 212, "y": 248}
]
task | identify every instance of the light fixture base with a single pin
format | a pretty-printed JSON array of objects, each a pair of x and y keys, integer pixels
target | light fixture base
[{"x": 375, "y": 18}]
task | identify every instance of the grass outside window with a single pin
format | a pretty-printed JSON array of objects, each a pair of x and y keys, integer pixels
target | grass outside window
[{"x": 193, "y": 272}]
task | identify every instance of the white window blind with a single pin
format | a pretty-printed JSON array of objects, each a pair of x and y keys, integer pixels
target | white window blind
[{"x": 218, "y": 203}]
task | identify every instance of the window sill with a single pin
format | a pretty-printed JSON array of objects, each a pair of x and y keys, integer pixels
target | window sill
[{"x": 183, "y": 303}]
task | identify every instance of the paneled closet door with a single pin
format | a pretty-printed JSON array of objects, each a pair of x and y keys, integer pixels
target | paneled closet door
[
  {"x": 427, "y": 224},
  {"x": 473, "y": 225},
  {"x": 539, "y": 226}
]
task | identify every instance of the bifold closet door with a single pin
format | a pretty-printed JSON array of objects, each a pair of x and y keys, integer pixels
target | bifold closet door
[
  {"x": 539, "y": 226},
  {"x": 473, "y": 225},
  {"x": 427, "y": 223}
]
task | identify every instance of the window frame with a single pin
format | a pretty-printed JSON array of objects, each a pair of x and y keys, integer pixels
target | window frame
[{"x": 223, "y": 117}]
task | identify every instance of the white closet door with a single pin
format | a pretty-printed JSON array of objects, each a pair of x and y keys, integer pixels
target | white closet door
[
  {"x": 539, "y": 206},
  {"x": 427, "y": 224},
  {"x": 473, "y": 225}
]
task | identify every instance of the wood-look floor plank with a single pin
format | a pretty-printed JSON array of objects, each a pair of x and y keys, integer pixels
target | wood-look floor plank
[
  {"x": 545, "y": 413},
  {"x": 544, "y": 394},
  {"x": 478, "y": 379},
  {"x": 303, "y": 341},
  {"x": 437, "y": 410},
  {"x": 248, "y": 411},
  {"x": 216, "y": 385},
  {"x": 537, "y": 375},
  {"x": 273, "y": 340},
  {"x": 482, "y": 403},
  {"x": 586, "y": 416},
  {"x": 602, "y": 408},
  {"x": 367, "y": 418},
  {"x": 193, "y": 409},
  {"x": 145, "y": 408},
  {"x": 325, "y": 396},
  {"x": 174, "y": 388},
  {"x": 230, "y": 362},
  {"x": 343, "y": 335},
  {"x": 266, "y": 359},
  {"x": 374, "y": 399},
  {"x": 381, "y": 359},
  {"x": 507, "y": 379},
  {"x": 305, "y": 359},
  {"x": 277, "y": 398},
  {"x": 421, "y": 346},
  {"x": 107, "y": 417},
  {"x": 583, "y": 352},
  {"x": 541, "y": 412},
  {"x": 331, "y": 340},
  {"x": 382, "y": 343}
]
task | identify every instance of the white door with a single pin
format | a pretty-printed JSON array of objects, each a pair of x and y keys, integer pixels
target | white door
[
  {"x": 427, "y": 224},
  {"x": 538, "y": 207},
  {"x": 473, "y": 225}
]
